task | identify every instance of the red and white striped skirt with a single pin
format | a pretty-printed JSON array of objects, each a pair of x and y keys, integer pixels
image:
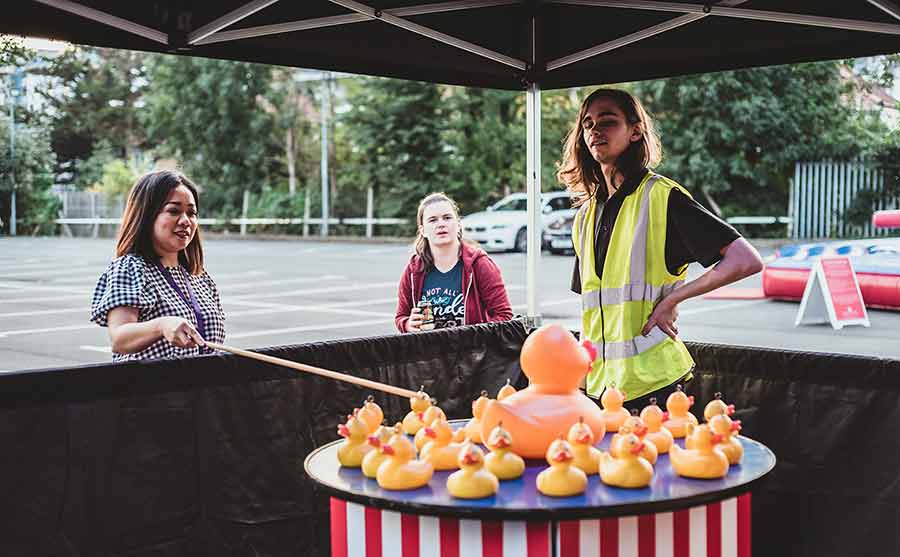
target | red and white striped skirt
[{"x": 720, "y": 529}]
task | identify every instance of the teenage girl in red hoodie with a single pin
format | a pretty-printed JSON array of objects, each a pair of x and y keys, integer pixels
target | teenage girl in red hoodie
[{"x": 460, "y": 281}]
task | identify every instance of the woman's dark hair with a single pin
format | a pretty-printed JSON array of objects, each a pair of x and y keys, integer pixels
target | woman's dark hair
[
  {"x": 144, "y": 204},
  {"x": 579, "y": 171}
]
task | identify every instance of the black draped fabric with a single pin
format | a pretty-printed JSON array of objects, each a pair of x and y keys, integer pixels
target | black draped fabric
[{"x": 204, "y": 456}]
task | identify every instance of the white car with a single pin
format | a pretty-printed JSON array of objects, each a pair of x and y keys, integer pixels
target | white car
[{"x": 503, "y": 226}]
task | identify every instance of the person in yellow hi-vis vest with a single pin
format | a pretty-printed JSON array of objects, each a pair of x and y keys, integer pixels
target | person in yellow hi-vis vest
[{"x": 634, "y": 235}]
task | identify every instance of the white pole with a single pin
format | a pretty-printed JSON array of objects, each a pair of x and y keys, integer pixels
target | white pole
[
  {"x": 244, "y": 208},
  {"x": 326, "y": 93},
  {"x": 535, "y": 228},
  {"x": 370, "y": 211}
]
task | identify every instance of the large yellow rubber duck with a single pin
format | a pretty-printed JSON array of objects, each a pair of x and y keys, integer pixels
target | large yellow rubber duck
[
  {"x": 401, "y": 470},
  {"x": 505, "y": 391},
  {"x": 704, "y": 460},
  {"x": 433, "y": 413},
  {"x": 635, "y": 425},
  {"x": 440, "y": 450},
  {"x": 355, "y": 446},
  {"x": 654, "y": 417},
  {"x": 717, "y": 406},
  {"x": 473, "y": 428},
  {"x": 502, "y": 461},
  {"x": 586, "y": 455},
  {"x": 561, "y": 479},
  {"x": 554, "y": 363},
  {"x": 614, "y": 415},
  {"x": 678, "y": 409},
  {"x": 628, "y": 469},
  {"x": 728, "y": 429},
  {"x": 374, "y": 458},
  {"x": 371, "y": 414},
  {"x": 472, "y": 480},
  {"x": 412, "y": 422}
]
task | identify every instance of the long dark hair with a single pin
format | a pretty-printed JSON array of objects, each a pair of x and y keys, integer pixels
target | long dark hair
[
  {"x": 145, "y": 202},
  {"x": 423, "y": 250},
  {"x": 582, "y": 175}
]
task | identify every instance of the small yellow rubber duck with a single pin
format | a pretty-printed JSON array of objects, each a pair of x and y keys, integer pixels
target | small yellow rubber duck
[
  {"x": 612, "y": 400},
  {"x": 473, "y": 428},
  {"x": 728, "y": 429},
  {"x": 677, "y": 406},
  {"x": 634, "y": 424},
  {"x": 401, "y": 470},
  {"x": 371, "y": 414},
  {"x": 704, "y": 460},
  {"x": 374, "y": 458},
  {"x": 355, "y": 446},
  {"x": 654, "y": 417},
  {"x": 471, "y": 481},
  {"x": 586, "y": 455},
  {"x": 628, "y": 469},
  {"x": 505, "y": 391},
  {"x": 440, "y": 450},
  {"x": 502, "y": 461},
  {"x": 412, "y": 422},
  {"x": 434, "y": 412},
  {"x": 717, "y": 406},
  {"x": 561, "y": 479}
]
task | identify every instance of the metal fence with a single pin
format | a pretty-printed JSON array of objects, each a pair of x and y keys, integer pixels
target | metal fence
[{"x": 822, "y": 191}]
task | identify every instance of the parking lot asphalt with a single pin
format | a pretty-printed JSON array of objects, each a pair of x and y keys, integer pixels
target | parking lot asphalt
[{"x": 289, "y": 292}]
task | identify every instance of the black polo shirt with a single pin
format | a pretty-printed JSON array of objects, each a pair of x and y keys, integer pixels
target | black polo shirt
[{"x": 692, "y": 232}]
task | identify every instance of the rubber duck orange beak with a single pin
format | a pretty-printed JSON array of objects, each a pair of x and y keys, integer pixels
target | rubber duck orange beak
[
  {"x": 665, "y": 416},
  {"x": 374, "y": 441},
  {"x": 421, "y": 416},
  {"x": 637, "y": 448},
  {"x": 501, "y": 443},
  {"x": 562, "y": 456},
  {"x": 736, "y": 425},
  {"x": 470, "y": 458},
  {"x": 430, "y": 433},
  {"x": 716, "y": 438},
  {"x": 730, "y": 410},
  {"x": 591, "y": 349},
  {"x": 343, "y": 431},
  {"x": 387, "y": 449},
  {"x": 640, "y": 431},
  {"x": 691, "y": 400},
  {"x": 584, "y": 438}
]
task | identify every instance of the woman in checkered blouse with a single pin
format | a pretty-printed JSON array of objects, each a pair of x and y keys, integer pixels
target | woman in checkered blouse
[{"x": 156, "y": 298}]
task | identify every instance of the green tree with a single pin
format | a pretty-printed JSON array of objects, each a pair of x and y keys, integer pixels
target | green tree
[
  {"x": 34, "y": 162},
  {"x": 93, "y": 102},
  {"x": 395, "y": 131},
  {"x": 209, "y": 115},
  {"x": 736, "y": 135}
]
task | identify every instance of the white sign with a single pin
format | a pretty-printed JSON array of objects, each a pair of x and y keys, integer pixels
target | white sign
[{"x": 832, "y": 295}]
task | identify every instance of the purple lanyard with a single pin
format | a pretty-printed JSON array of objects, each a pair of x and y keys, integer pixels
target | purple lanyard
[{"x": 190, "y": 300}]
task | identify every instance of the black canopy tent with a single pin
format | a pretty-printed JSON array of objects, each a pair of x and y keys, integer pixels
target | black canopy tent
[
  {"x": 507, "y": 44},
  {"x": 203, "y": 456}
]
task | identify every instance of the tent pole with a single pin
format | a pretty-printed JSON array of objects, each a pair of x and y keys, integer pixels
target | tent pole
[{"x": 535, "y": 228}]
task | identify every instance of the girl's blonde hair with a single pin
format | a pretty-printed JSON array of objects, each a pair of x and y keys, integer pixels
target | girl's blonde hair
[
  {"x": 581, "y": 174},
  {"x": 423, "y": 250}
]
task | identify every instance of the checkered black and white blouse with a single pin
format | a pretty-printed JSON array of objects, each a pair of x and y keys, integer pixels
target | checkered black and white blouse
[{"x": 132, "y": 281}]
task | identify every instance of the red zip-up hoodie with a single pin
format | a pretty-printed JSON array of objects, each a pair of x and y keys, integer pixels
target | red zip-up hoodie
[{"x": 484, "y": 293}]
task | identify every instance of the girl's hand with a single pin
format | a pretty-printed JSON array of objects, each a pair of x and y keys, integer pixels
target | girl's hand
[
  {"x": 664, "y": 315},
  {"x": 415, "y": 320},
  {"x": 180, "y": 332}
]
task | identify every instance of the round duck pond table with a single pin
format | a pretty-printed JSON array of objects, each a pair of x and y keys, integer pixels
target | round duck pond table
[{"x": 673, "y": 516}]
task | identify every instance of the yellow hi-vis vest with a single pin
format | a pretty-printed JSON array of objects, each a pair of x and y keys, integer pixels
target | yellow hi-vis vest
[{"x": 616, "y": 307}]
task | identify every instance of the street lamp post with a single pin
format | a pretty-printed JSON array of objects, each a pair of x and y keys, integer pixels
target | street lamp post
[{"x": 16, "y": 78}]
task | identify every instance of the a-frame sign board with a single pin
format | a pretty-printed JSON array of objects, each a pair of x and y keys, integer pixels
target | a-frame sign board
[{"x": 832, "y": 295}]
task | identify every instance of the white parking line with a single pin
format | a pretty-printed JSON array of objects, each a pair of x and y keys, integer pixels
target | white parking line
[
  {"x": 719, "y": 307},
  {"x": 86, "y": 310},
  {"x": 351, "y": 325},
  {"x": 103, "y": 349},
  {"x": 19, "y": 286},
  {"x": 346, "y": 288},
  {"x": 19, "y": 332},
  {"x": 298, "y": 280},
  {"x": 82, "y": 296}
]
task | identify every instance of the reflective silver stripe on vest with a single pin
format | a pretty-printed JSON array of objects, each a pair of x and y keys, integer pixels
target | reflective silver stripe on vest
[
  {"x": 628, "y": 293},
  {"x": 631, "y": 348}
]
